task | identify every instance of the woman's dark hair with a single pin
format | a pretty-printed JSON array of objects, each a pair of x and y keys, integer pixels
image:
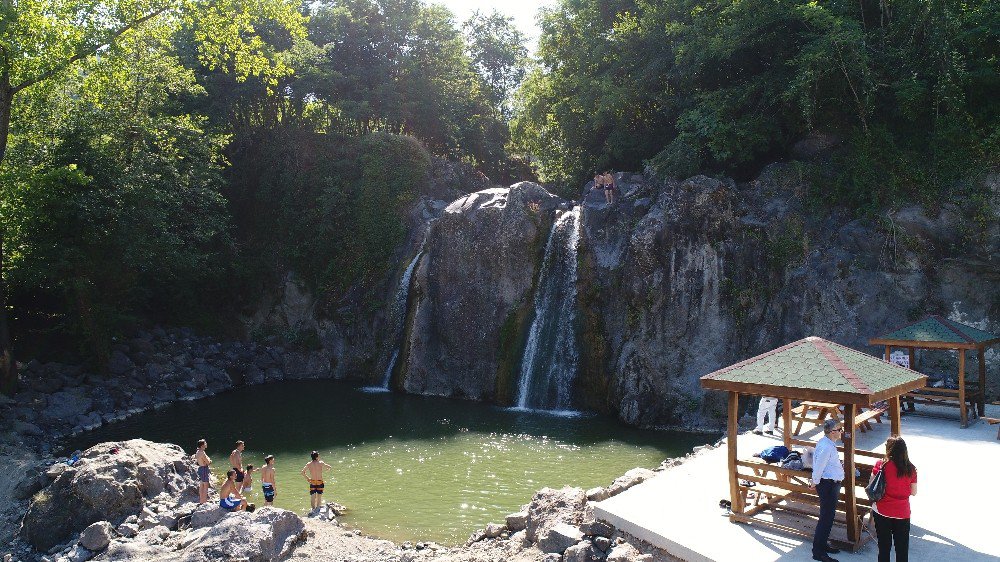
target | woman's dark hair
[{"x": 895, "y": 450}]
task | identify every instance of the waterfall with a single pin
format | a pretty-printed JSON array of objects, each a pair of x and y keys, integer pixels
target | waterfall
[
  {"x": 397, "y": 313},
  {"x": 550, "y": 358}
]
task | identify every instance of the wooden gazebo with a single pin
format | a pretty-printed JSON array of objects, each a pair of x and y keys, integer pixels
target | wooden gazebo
[
  {"x": 937, "y": 332},
  {"x": 810, "y": 369}
]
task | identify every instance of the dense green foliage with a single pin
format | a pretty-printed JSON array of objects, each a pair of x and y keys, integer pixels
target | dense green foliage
[
  {"x": 726, "y": 86},
  {"x": 171, "y": 160}
]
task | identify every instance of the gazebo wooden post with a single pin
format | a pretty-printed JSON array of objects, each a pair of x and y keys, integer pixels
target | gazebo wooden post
[
  {"x": 894, "y": 410},
  {"x": 911, "y": 351},
  {"x": 853, "y": 529},
  {"x": 961, "y": 388},
  {"x": 982, "y": 382},
  {"x": 888, "y": 353},
  {"x": 734, "y": 416},
  {"x": 786, "y": 422}
]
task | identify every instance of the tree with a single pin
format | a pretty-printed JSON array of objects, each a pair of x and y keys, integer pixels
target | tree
[
  {"x": 498, "y": 53},
  {"x": 42, "y": 39}
]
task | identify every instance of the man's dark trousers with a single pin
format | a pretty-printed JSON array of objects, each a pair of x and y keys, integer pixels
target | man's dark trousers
[{"x": 828, "y": 491}]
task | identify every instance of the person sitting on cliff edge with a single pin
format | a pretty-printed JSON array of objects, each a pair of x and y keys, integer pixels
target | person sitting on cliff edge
[{"x": 230, "y": 497}]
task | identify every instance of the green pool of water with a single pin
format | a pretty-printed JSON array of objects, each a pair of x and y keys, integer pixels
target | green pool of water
[{"x": 408, "y": 467}]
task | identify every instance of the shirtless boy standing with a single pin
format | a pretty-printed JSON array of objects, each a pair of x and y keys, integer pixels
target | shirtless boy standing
[
  {"x": 313, "y": 472},
  {"x": 203, "y": 460},
  {"x": 267, "y": 480},
  {"x": 236, "y": 461}
]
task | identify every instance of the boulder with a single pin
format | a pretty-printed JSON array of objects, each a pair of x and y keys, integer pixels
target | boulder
[
  {"x": 517, "y": 521},
  {"x": 549, "y": 507},
  {"x": 266, "y": 534},
  {"x": 559, "y": 537},
  {"x": 602, "y": 543},
  {"x": 66, "y": 405},
  {"x": 597, "y": 494},
  {"x": 109, "y": 483},
  {"x": 97, "y": 536},
  {"x": 597, "y": 528},
  {"x": 629, "y": 479},
  {"x": 128, "y": 530},
  {"x": 581, "y": 552},
  {"x": 206, "y": 515},
  {"x": 494, "y": 530}
]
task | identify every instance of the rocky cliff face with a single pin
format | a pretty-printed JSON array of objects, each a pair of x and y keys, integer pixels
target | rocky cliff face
[
  {"x": 471, "y": 293},
  {"x": 692, "y": 276},
  {"x": 674, "y": 281}
]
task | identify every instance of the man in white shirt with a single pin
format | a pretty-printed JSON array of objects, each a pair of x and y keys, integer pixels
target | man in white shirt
[
  {"x": 827, "y": 476},
  {"x": 769, "y": 406}
]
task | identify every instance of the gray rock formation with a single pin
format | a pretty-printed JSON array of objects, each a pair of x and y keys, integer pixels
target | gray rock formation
[
  {"x": 715, "y": 272},
  {"x": 267, "y": 534},
  {"x": 109, "y": 483},
  {"x": 559, "y": 537},
  {"x": 97, "y": 536},
  {"x": 549, "y": 508},
  {"x": 471, "y": 293}
]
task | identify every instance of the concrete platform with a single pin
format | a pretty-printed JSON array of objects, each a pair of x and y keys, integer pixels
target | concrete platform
[{"x": 956, "y": 514}]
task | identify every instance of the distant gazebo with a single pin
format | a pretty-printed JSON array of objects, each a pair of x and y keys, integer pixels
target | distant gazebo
[
  {"x": 811, "y": 369},
  {"x": 936, "y": 332}
]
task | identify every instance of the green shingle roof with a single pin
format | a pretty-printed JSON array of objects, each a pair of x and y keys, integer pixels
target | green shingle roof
[
  {"x": 812, "y": 367},
  {"x": 936, "y": 329}
]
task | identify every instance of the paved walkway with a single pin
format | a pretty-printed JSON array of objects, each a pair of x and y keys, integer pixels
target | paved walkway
[{"x": 956, "y": 514}]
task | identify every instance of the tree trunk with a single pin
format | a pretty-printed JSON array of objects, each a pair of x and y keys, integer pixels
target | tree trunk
[{"x": 8, "y": 368}]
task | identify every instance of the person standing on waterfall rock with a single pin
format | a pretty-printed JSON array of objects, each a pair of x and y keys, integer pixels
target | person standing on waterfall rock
[
  {"x": 313, "y": 472},
  {"x": 609, "y": 187},
  {"x": 203, "y": 460},
  {"x": 236, "y": 461},
  {"x": 267, "y": 484},
  {"x": 598, "y": 185}
]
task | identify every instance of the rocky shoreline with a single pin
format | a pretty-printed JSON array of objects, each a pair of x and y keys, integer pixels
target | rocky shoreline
[
  {"x": 136, "y": 500},
  {"x": 150, "y": 370}
]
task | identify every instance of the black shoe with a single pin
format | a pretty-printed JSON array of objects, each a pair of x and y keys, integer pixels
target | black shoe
[
  {"x": 769, "y": 432},
  {"x": 824, "y": 557},
  {"x": 757, "y": 432},
  {"x": 832, "y": 549}
]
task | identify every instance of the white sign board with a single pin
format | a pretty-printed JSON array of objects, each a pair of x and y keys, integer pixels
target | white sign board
[{"x": 901, "y": 358}]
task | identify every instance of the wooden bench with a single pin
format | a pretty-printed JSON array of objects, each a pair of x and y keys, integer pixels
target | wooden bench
[
  {"x": 994, "y": 421},
  {"x": 947, "y": 397},
  {"x": 862, "y": 421}
]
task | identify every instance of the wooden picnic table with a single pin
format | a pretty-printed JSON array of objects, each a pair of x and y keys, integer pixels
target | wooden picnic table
[
  {"x": 770, "y": 487},
  {"x": 823, "y": 410}
]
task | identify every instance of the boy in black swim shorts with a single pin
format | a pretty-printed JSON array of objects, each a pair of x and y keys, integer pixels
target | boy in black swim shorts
[{"x": 267, "y": 480}]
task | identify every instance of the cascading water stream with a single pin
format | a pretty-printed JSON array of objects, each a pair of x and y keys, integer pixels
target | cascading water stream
[
  {"x": 399, "y": 310},
  {"x": 551, "y": 358}
]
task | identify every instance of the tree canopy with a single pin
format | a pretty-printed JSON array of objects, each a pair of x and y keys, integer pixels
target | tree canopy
[
  {"x": 168, "y": 159},
  {"x": 690, "y": 86}
]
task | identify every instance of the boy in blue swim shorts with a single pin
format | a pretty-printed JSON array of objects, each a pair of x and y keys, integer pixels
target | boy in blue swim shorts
[
  {"x": 230, "y": 497},
  {"x": 203, "y": 460}
]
